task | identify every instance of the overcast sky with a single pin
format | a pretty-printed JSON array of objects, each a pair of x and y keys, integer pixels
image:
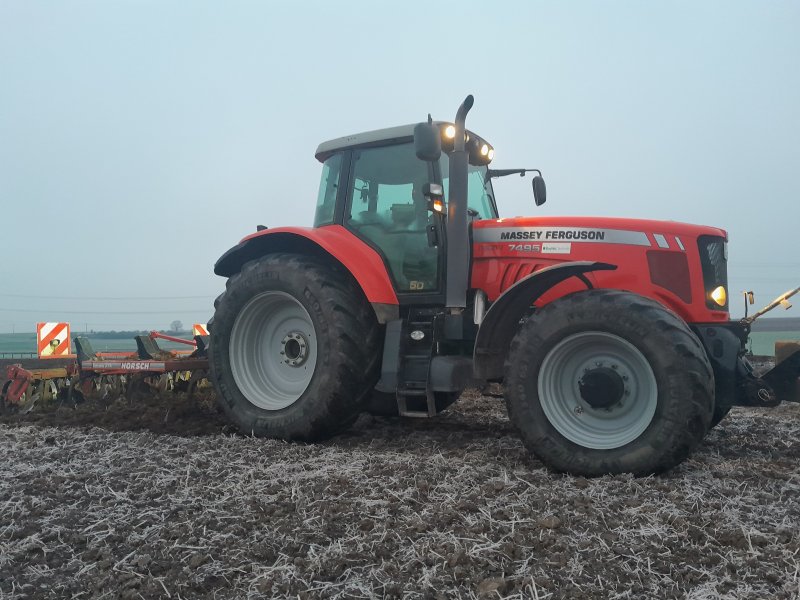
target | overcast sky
[{"x": 140, "y": 140}]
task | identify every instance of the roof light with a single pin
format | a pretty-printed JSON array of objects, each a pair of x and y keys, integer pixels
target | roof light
[
  {"x": 484, "y": 150},
  {"x": 491, "y": 154},
  {"x": 450, "y": 132}
]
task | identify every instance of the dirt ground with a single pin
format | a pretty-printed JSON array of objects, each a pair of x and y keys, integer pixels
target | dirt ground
[{"x": 161, "y": 499}]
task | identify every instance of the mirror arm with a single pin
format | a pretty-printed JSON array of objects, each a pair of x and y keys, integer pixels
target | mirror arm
[{"x": 490, "y": 173}]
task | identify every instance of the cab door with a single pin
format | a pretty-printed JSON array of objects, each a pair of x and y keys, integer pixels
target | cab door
[{"x": 385, "y": 207}]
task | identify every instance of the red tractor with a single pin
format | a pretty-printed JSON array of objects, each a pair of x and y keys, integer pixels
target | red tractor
[{"x": 612, "y": 337}]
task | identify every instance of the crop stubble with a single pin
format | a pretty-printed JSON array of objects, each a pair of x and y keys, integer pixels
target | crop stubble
[{"x": 173, "y": 504}]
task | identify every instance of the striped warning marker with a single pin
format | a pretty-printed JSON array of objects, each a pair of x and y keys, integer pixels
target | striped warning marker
[
  {"x": 200, "y": 329},
  {"x": 52, "y": 340}
]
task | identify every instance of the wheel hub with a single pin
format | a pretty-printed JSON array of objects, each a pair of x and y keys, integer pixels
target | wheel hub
[
  {"x": 295, "y": 349},
  {"x": 601, "y": 387}
]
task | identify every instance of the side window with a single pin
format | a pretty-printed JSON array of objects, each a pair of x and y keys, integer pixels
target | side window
[
  {"x": 478, "y": 189},
  {"x": 328, "y": 188},
  {"x": 387, "y": 209}
]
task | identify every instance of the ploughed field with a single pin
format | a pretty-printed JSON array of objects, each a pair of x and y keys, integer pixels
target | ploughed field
[{"x": 158, "y": 498}]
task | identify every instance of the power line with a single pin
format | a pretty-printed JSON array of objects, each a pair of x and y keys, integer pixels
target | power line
[
  {"x": 27, "y": 296},
  {"x": 111, "y": 312}
]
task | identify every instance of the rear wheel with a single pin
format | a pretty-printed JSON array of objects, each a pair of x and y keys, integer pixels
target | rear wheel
[
  {"x": 293, "y": 349},
  {"x": 606, "y": 381}
]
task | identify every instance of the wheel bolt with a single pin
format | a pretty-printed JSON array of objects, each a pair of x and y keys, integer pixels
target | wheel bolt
[
  {"x": 624, "y": 378},
  {"x": 614, "y": 367},
  {"x": 578, "y": 410}
]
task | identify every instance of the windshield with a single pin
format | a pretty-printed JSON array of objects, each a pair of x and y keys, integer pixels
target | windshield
[{"x": 479, "y": 191}]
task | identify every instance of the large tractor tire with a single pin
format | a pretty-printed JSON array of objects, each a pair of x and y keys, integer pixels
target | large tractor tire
[
  {"x": 294, "y": 347},
  {"x": 605, "y": 382}
]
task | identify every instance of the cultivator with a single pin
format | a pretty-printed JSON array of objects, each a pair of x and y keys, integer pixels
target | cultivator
[{"x": 106, "y": 375}]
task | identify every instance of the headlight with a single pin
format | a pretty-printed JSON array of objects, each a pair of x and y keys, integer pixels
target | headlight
[{"x": 719, "y": 295}]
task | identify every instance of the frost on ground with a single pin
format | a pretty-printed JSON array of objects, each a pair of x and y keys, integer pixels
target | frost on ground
[{"x": 447, "y": 508}]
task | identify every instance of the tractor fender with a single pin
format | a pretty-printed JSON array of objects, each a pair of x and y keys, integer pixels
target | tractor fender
[
  {"x": 502, "y": 319},
  {"x": 332, "y": 242}
]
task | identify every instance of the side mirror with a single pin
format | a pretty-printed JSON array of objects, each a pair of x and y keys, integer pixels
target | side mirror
[
  {"x": 427, "y": 141},
  {"x": 539, "y": 190}
]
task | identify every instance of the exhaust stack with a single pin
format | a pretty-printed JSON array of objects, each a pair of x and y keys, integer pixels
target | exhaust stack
[{"x": 458, "y": 253}]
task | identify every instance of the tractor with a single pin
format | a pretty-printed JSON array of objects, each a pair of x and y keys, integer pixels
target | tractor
[{"x": 611, "y": 337}]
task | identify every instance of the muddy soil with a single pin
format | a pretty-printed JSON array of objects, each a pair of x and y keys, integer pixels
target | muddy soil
[{"x": 159, "y": 498}]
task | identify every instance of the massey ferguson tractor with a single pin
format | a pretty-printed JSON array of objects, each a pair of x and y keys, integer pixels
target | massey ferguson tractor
[{"x": 612, "y": 337}]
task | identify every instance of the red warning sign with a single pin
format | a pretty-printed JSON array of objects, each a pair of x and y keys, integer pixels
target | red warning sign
[
  {"x": 200, "y": 329},
  {"x": 53, "y": 340}
]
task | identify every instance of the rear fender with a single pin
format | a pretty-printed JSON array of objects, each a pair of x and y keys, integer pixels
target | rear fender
[
  {"x": 332, "y": 242},
  {"x": 501, "y": 321}
]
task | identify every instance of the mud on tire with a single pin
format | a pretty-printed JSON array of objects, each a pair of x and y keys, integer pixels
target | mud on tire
[
  {"x": 660, "y": 352},
  {"x": 338, "y": 345}
]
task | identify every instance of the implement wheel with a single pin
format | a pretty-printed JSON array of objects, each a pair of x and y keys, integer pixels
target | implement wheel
[
  {"x": 606, "y": 381},
  {"x": 294, "y": 348}
]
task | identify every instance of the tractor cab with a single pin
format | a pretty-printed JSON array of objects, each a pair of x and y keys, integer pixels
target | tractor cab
[{"x": 375, "y": 186}]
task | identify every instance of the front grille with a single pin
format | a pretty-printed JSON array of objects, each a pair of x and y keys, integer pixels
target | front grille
[{"x": 714, "y": 262}]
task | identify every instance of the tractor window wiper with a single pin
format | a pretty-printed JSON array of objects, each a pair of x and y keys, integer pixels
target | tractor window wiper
[{"x": 503, "y": 172}]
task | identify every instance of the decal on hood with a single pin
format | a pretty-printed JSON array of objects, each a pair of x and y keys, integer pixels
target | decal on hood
[{"x": 559, "y": 234}]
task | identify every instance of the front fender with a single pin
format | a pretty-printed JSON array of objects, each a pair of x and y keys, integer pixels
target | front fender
[
  {"x": 502, "y": 320},
  {"x": 333, "y": 242}
]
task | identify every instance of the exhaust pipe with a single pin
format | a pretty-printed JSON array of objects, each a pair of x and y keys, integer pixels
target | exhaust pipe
[{"x": 458, "y": 251}]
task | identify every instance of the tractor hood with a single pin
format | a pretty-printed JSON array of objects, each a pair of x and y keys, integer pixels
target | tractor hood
[{"x": 676, "y": 263}]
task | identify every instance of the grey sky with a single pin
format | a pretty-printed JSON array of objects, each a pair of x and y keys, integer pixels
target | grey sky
[{"x": 140, "y": 140}]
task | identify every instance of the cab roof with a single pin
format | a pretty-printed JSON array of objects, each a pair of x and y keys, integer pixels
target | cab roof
[{"x": 377, "y": 137}]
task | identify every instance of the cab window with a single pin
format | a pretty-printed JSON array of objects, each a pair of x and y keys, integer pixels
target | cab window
[
  {"x": 328, "y": 189},
  {"x": 387, "y": 209},
  {"x": 479, "y": 191}
]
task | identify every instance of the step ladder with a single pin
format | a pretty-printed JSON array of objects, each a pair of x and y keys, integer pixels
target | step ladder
[{"x": 414, "y": 395}]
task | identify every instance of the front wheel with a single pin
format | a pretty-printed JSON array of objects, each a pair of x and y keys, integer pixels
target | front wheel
[
  {"x": 606, "y": 381},
  {"x": 293, "y": 348}
]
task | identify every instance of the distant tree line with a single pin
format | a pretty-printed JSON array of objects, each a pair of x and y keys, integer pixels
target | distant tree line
[{"x": 777, "y": 323}]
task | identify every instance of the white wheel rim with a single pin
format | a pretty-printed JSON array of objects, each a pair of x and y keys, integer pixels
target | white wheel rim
[
  {"x": 273, "y": 350},
  {"x": 560, "y": 391}
]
